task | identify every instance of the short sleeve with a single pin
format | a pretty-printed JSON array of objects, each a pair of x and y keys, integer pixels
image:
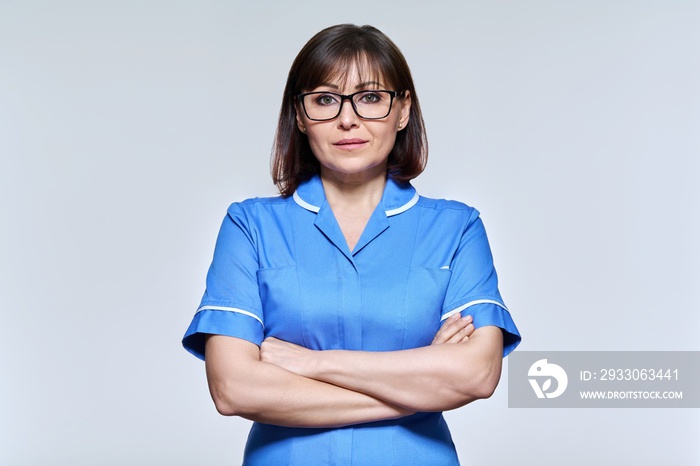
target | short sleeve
[
  {"x": 473, "y": 286},
  {"x": 231, "y": 304}
]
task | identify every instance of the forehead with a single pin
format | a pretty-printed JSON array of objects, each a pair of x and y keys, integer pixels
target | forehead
[{"x": 351, "y": 73}]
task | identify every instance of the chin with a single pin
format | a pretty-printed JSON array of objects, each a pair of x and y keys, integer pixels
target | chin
[{"x": 363, "y": 171}]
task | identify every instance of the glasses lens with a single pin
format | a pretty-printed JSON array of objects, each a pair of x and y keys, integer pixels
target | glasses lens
[
  {"x": 372, "y": 104},
  {"x": 321, "y": 105},
  {"x": 368, "y": 104}
]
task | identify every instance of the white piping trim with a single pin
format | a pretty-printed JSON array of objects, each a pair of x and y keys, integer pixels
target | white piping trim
[
  {"x": 404, "y": 207},
  {"x": 231, "y": 309},
  {"x": 305, "y": 204},
  {"x": 470, "y": 304},
  {"x": 302, "y": 203}
]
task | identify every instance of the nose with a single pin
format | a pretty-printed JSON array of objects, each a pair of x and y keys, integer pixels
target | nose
[{"x": 347, "y": 118}]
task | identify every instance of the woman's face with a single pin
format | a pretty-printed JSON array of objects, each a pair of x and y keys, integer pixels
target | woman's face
[{"x": 349, "y": 148}]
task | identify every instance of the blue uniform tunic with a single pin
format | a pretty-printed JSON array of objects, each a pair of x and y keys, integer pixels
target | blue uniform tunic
[{"x": 282, "y": 268}]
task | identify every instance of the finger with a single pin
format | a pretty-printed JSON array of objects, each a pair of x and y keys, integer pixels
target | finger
[
  {"x": 450, "y": 330},
  {"x": 457, "y": 337},
  {"x": 463, "y": 332},
  {"x": 464, "y": 324},
  {"x": 460, "y": 321},
  {"x": 469, "y": 328},
  {"x": 446, "y": 330},
  {"x": 455, "y": 323}
]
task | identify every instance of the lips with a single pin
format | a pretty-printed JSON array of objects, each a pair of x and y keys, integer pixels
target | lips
[{"x": 350, "y": 143}]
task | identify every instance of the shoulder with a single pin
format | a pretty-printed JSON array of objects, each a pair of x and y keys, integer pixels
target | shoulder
[
  {"x": 443, "y": 204},
  {"x": 257, "y": 202},
  {"x": 255, "y": 205},
  {"x": 448, "y": 209},
  {"x": 256, "y": 213}
]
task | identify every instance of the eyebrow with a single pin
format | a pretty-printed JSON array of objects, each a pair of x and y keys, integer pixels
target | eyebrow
[
  {"x": 359, "y": 86},
  {"x": 367, "y": 83}
]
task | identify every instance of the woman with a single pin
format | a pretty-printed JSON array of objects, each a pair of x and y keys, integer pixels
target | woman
[{"x": 333, "y": 313}]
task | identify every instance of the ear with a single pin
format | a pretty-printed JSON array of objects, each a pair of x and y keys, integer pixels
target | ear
[
  {"x": 405, "y": 113},
  {"x": 300, "y": 123}
]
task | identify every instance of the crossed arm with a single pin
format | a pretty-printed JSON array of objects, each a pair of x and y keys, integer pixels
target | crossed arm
[{"x": 285, "y": 384}]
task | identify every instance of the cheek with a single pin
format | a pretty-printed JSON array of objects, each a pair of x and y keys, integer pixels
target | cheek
[
  {"x": 314, "y": 142},
  {"x": 388, "y": 140}
]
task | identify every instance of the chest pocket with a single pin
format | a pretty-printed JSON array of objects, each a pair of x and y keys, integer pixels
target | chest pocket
[
  {"x": 301, "y": 307},
  {"x": 281, "y": 303},
  {"x": 425, "y": 296}
]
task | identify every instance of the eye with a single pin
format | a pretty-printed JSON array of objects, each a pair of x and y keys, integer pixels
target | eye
[
  {"x": 371, "y": 97},
  {"x": 325, "y": 99}
]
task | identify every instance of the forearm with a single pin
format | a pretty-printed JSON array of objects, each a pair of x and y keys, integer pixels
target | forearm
[
  {"x": 263, "y": 392},
  {"x": 431, "y": 378}
]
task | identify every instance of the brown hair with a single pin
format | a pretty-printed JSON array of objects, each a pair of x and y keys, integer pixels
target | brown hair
[{"x": 324, "y": 57}]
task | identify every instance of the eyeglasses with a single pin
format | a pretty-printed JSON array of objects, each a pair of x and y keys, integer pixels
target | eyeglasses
[{"x": 369, "y": 105}]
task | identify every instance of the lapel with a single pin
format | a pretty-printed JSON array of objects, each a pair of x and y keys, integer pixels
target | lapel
[{"x": 397, "y": 198}]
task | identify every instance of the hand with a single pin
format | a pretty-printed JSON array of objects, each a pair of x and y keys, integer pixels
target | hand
[
  {"x": 289, "y": 356},
  {"x": 455, "y": 329}
]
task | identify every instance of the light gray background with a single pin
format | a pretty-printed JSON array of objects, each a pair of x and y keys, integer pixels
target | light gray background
[{"x": 127, "y": 127}]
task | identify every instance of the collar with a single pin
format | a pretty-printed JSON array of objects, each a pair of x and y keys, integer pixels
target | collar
[{"x": 397, "y": 198}]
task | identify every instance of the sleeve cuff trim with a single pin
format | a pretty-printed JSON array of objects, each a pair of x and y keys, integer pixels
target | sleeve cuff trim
[
  {"x": 470, "y": 304},
  {"x": 231, "y": 309}
]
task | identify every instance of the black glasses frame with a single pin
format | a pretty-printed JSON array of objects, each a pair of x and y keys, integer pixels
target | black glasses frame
[{"x": 343, "y": 98}]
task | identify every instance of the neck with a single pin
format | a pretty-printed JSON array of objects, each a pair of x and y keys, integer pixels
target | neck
[
  {"x": 353, "y": 194},
  {"x": 353, "y": 201}
]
